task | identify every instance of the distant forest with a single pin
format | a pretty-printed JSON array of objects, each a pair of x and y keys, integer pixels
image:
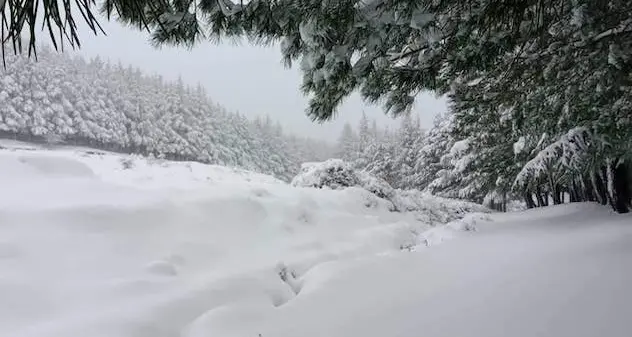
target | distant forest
[{"x": 66, "y": 99}]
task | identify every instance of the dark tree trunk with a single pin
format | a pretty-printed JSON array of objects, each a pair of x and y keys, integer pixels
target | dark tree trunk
[
  {"x": 621, "y": 194},
  {"x": 578, "y": 190},
  {"x": 572, "y": 193},
  {"x": 538, "y": 195},
  {"x": 581, "y": 191},
  {"x": 528, "y": 199},
  {"x": 599, "y": 188},
  {"x": 587, "y": 189},
  {"x": 606, "y": 175},
  {"x": 557, "y": 195}
]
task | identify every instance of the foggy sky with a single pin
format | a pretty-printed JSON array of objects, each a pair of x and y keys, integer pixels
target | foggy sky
[{"x": 245, "y": 78}]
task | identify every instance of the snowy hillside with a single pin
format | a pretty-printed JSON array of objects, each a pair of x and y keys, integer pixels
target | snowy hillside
[
  {"x": 63, "y": 99},
  {"x": 99, "y": 244}
]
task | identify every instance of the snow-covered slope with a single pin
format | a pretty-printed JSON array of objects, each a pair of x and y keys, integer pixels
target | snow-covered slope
[
  {"x": 102, "y": 244},
  {"x": 563, "y": 271},
  {"x": 110, "y": 245}
]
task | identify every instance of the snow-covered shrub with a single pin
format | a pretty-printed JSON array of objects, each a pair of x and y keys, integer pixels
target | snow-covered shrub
[
  {"x": 127, "y": 163},
  {"x": 338, "y": 174},
  {"x": 375, "y": 185},
  {"x": 432, "y": 209},
  {"x": 333, "y": 173}
]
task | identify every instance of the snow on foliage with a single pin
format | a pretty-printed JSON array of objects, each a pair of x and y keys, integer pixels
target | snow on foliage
[
  {"x": 375, "y": 185},
  {"x": 58, "y": 99},
  {"x": 519, "y": 145},
  {"x": 569, "y": 151},
  {"x": 411, "y": 158},
  {"x": 337, "y": 174},
  {"x": 459, "y": 147},
  {"x": 490, "y": 167},
  {"x": 333, "y": 173},
  {"x": 432, "y": 209}
]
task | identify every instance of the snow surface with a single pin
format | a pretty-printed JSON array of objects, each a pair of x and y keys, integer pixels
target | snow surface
[{"x": 111, "y": 245}]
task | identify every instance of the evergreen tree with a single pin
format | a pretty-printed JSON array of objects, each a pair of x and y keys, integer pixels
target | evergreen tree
[
  {"x": 407, "y": 150},
  {"x": 348, "y": 144}
]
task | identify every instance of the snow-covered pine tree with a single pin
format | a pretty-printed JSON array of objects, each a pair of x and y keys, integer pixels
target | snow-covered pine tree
[
  {"x": 347, "y": 144},
  {"x": 407, "y": 151}
]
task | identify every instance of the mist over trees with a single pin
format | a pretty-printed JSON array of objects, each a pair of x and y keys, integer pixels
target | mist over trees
[{"x": 69, "y": 100}]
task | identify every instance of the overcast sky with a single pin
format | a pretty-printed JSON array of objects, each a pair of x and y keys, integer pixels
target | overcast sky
[{"x": 244, "y": 78}]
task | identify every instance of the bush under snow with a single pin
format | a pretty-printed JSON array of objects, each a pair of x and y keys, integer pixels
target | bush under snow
[
  {"x": 375, "y": 185},
  {"x": 337, "y": 174},
  {"x": 333, "y": 173},
  {"x": 432, "y": 209}
]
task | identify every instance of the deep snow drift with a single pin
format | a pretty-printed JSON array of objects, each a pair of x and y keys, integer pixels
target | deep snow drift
[{"x": 109, "y": 245}]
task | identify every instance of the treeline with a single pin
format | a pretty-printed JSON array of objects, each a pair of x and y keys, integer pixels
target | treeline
[
  {"x": 443, "y": 162},
  {"x": 63, "y": 99}
]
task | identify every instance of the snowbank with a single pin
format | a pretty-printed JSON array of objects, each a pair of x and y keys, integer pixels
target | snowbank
[
  {"x": 29, "y": 161},
  {"x": 102, "y": 244},
  {"x": 517, "y": 276}
]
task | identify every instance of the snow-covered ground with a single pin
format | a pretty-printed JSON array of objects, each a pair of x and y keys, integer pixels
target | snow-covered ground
[{"x": 95, "y": 245}]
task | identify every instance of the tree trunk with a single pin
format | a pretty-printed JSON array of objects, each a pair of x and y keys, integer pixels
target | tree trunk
[
  {"x": 538, "y": 195},
  {"x": 528, "y": 199},
  {"x": 556, "y": 194},
  {"x": 607, "y": 176},
  {"x": 621, "y": 188},
  {"x": 598, "y": 187},
  {"x": 572, "y": 193},
  {"x": 587, "y": 193},
  {"x": 578, "y": 190},
  {"x": 552, "y": 190}
]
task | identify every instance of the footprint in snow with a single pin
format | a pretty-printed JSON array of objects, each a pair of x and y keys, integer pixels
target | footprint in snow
[{"x": 261, "y": 192}]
